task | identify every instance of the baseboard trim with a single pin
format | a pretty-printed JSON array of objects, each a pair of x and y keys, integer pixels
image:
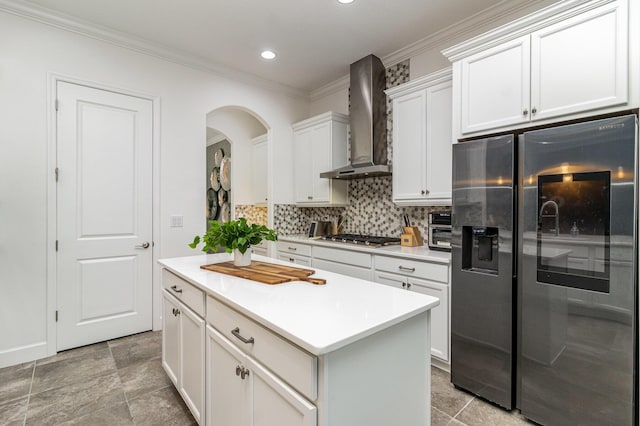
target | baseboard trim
[{"x": 22, "y": 354}]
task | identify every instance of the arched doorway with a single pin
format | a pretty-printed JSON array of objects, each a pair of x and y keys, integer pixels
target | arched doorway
[{"x": 238, "y": 136}]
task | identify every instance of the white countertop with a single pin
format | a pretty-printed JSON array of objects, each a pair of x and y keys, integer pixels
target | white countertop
[
  {"x": 395, "y": 250},
  {"x": 318, "y": 318}
]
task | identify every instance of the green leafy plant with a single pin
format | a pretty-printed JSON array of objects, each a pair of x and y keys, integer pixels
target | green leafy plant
[{"x": 235, "y": 234}]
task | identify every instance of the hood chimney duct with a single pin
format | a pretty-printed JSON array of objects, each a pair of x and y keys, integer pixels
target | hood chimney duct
[{"x": 368, "y": 122}]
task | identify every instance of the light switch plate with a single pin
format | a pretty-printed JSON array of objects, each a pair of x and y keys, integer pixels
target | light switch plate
[{"x": 176, "y": 221}]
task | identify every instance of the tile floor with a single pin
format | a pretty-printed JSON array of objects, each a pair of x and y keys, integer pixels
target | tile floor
[{"x": 121, "y": 382}]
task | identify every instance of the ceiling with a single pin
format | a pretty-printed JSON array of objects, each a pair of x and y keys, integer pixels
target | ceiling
[{"x": 315, "y": 40}]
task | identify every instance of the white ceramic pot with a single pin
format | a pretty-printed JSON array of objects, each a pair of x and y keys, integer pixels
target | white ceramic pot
[{"x": 240, "y": 259}]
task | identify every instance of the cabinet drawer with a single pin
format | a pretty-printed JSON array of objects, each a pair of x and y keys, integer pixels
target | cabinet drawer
[
  {"x": 294, "y": 365},
  {"x": 413, "y": 268},
  {"x": 187, "y": 293},
  {"x": 343, "y": 256},
  {"x": 341, "y": 268},
  {"x": 300, "y": 260},
  {"x": 294, "y": 248}
]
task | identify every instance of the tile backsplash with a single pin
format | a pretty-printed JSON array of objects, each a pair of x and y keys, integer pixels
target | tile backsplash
[
  {"x": 370, "y": 209},
  {"x": 253, "y": 214}
]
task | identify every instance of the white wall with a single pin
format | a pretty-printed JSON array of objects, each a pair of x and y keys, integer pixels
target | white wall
[
  {"x": 28, "y": 52},
  {"x": 239, "y": 127}
]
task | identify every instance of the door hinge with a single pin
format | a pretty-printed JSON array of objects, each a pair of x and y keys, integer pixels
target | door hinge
[
  {"x": 56, "y": 316},
  {"x": 56, "y": 245},
  {"x": 57, "y": 172},
  {"x": 57, "y": 105}
]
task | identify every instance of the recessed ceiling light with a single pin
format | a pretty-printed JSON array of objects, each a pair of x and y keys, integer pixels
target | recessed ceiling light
[
  {"x": 345, "y": 1},
  {"x": 268, "y": 54}
]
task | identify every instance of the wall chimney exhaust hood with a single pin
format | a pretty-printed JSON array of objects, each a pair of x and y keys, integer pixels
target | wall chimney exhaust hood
[{"x": 368, "y": 122}]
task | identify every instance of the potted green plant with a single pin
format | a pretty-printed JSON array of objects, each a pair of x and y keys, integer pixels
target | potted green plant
[{"x": 236, "y": 237}]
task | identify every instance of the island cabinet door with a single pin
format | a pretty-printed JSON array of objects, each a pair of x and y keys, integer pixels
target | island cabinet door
[
  {"x": 171, "y": 338},
  {"x": 228, "y": 383},
  {"x": 192, "y": 361},
  {"x": 275, "y": 403}
]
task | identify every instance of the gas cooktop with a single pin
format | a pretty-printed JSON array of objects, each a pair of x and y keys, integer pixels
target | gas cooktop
[{"x": 367, "y": 240}]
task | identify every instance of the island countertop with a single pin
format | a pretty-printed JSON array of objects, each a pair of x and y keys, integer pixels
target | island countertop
[{"x": 318, "y": 318}]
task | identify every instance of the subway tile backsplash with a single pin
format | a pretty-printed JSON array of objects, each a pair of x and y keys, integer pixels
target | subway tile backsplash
[{"x": 370, "y": 209}]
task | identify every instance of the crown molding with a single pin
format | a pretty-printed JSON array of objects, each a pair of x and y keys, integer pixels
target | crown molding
[
  {"x": 335, "y": 86},
  {"x": 423, "y": 82},
  {"x": 542, "y": 18},
  {"x": 72, "y": 24}
]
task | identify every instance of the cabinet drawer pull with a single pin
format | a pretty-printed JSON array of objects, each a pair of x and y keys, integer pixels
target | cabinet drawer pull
[
  {"x": 291, "y": 259},
  {"x": 404, "y": 285},
  {"x": 525, "y": 112},
  {"x": 236, "y": 332},
  {"x": 404, "y": 268},
  {"x": 176, "y": 289},
  {"x": 238, "y": 370},
  {"x": 309, "y": 197},
  {"x": 175, "y": 311},
  {"x": 408, "y": 285},
  {"x": 534, "y": 110},
  {"x": 292, "y": 248}
]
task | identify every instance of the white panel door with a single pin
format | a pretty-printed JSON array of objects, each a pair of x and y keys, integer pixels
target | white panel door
[
  {"x": 409, "y": 147},
  {"x": 259, "y": 171},
  {"x": 580, "y": 63},
  {"x": 495, "y": 86},
  {"x": 104, "y": 212}
]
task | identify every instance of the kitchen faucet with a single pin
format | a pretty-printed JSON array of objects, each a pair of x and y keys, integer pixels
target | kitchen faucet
[{"x": 555, "y": 215}]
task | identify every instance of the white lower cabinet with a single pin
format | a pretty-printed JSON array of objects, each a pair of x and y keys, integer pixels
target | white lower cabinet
[
  {"x": 244, "y": 393},
  {"x": 300, "y": 260},
  {"x": 421, "y": 277},
  {"x": 183, "y": 352}
]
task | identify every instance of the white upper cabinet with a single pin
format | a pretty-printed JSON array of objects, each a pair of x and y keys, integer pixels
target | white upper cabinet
[
  {"x": 320, "y": 145},
  {"x": 259, "y": 169},
  {"x": 495, "y": 86},
  {"x": 562, "y": 61},
  {"x": 580, "y": 63},
  {"x": 422, "y": 140}
]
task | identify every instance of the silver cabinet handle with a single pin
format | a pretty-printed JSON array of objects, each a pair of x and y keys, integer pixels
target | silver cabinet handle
[
  {"x": 144, "y": 245},
  {"x": 238, "y": 370},
  {"x": 176, "y": 289},
  {"x": 534, "y": 110},
  {"x": 309, "y": 197},
  {"x": 236, "y": 332},
  {"x": 404, "y": 268},
  {"x": 525, "y": 112},
  {"x": 292, "y": 248}
]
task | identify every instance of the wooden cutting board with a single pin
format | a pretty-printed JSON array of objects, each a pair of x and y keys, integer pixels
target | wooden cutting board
[{"x": 267, "y": 273}]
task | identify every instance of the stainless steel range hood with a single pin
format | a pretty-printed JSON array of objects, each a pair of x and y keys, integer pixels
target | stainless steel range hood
[{"x": 368, "y": 122}]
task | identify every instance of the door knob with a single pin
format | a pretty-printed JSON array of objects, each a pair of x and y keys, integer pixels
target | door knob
[{"x": 144, "y": 245}]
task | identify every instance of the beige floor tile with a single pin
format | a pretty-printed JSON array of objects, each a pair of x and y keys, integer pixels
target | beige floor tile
[
  {"x": 15, "y": 381},
  {"x": 444, "y": 396},
  {"x": 481, "y": 413}
]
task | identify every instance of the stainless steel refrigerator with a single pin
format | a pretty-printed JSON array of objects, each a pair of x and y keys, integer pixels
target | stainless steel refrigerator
[{"x": 544, "y": 272}]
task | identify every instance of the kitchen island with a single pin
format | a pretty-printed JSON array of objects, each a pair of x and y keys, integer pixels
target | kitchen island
[{"x": 351, "y": 352}]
